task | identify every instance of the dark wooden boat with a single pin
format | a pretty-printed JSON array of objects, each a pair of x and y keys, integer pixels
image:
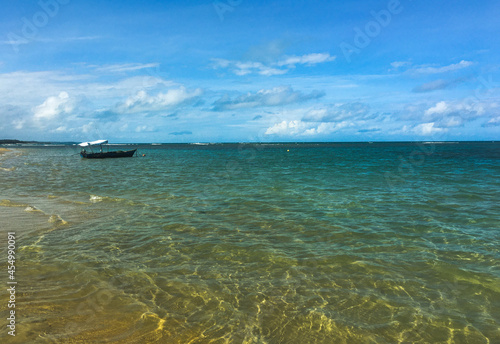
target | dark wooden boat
[
  {"x": 103, "y": 154},
  {"x": 113, "y": 154}
]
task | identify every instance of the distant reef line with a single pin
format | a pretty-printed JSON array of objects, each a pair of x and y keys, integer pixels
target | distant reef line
[
  {"x": 8, "y": 141},
  {"x": 11, "y": 141}
]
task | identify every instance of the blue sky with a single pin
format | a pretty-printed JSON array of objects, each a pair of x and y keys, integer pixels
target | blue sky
[{"x": 240, "y": 70}]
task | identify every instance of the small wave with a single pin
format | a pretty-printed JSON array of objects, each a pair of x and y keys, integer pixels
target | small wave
[
  {"x": 27, "y": 207},
  {"x": 9, "y": 203},
  {"x": 30, "y": 208},
  {"x": 8, "y": 169},
  {"x": 57, "y": 220},
  {"x": 439, "y": 142},
  {"x": 95, "y": 199}
]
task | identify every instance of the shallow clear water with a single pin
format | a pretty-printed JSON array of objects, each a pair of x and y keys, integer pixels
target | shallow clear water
[{"x": 244, "y": 243}]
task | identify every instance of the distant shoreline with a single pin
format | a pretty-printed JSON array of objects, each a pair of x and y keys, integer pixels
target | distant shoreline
[
  {"x": 10, "y": 142},
  {"x": 15, "y": 142}
]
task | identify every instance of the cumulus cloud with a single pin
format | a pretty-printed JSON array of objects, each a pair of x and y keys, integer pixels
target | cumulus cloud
[
  {"x": 143, "y": 102},
  {"x": 464, "y": 109},
  {"x": 426, "y": 129},
  {"x": 53, "y": 106},
  {"x": 440, "y": 108},
  {"x": 493, "y": 122},
  {"x": 449, "y": 114},
  {"x": 281, "y": 66},
  {"x": 300, "y": 128},
  {"x": 273, "y": 97},
  {"x": 326, "y": 120}
]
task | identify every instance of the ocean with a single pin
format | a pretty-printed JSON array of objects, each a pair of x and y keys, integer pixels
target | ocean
[{"x": 253, "y": 243}]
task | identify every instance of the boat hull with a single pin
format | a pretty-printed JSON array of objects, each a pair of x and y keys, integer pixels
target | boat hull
[{"x": 105, "y": 155}]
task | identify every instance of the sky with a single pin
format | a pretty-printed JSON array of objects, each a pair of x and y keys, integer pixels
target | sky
[{"x": 250, "y": 71}]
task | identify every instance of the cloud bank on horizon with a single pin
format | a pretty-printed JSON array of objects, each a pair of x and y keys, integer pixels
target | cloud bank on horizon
[{"x": 232, "y": 71}]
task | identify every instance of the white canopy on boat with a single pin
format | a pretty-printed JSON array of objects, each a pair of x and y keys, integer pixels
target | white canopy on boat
[{"x": 92, "y": 143}]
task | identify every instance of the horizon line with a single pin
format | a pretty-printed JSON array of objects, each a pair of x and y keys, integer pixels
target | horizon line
[{"x": 16, "y": 141}]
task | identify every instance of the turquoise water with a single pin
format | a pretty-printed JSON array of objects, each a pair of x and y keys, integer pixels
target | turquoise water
[{"x": 255, "y": 243}]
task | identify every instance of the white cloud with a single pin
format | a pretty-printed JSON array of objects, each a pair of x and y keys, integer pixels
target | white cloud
[
  {"x": 436, "y": 70},
  {"x": 126, "y": 67},
  {"x": 244, "y": 68},
  {"x": 135, "y": 84},
  {"x": 52, "y": 107},
  {"x": 493, "y": 122},
  {"x": 310, "y": 59},
  {"x": 300, "y": 128},
  {"x": 326, "y": 120},
  {"x": 440, "y": 108},
  {"x": 284, "y": 128},
  {"x": 273, "y": 97},
  {"x": 428, "y": 129},
  {"x": 142, "y": 102},
  {"x": 21, "y": 88},
  {"x": 467, "y": 109},
  {"x": 28, "y": 89},
  {"x": 144, "y": 128},
  {"x": 339, "y": 112},
  {"x": 269, "y": 71},
  {"x": 399, "y": 64},
  {"x": 327, "y": 128},
  {"x": 272, "y": 68}
]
